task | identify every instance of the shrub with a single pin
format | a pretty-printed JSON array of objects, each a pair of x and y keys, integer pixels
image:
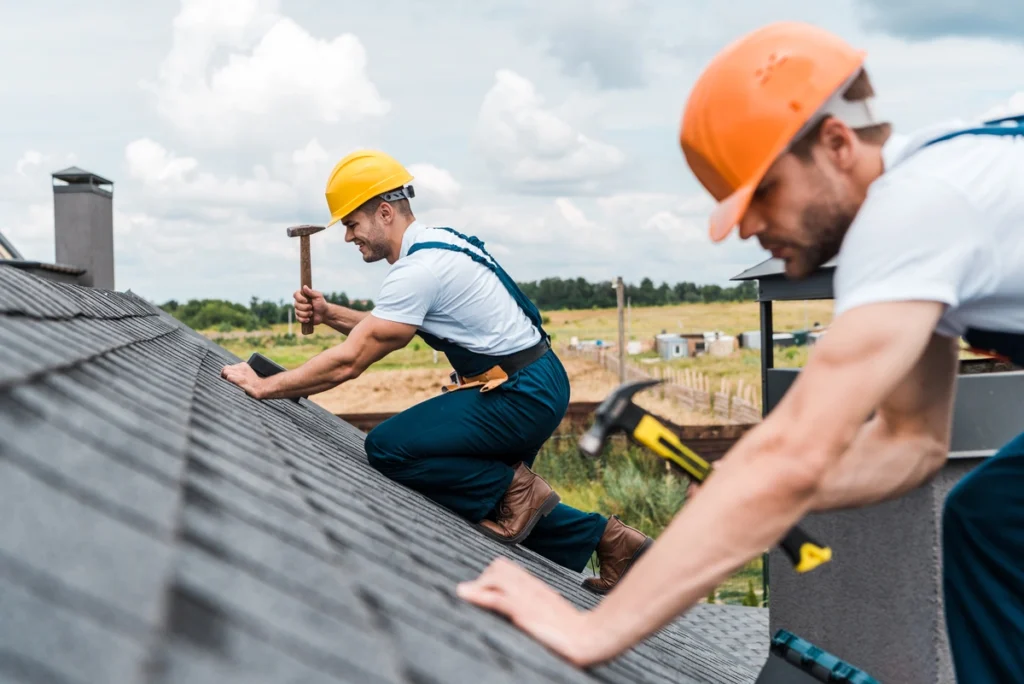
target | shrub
[
  {"x": 562, "y": 465},
  {"x": 639, "y": 491},
  {"x": 751, "y": 598}
]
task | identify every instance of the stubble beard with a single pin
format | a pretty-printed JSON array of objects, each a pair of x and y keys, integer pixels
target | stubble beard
[
  {"x": 825, "y": 224},
  {"x": 375, "y": 244}
]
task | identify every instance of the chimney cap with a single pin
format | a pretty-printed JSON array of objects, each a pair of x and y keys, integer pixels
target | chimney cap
[{"x": 77, "y": 176}]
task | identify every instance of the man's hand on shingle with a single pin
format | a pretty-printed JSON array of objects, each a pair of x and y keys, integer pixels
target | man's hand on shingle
[
  {"x": 245, "y": 377},
  {"x": 538, "y": 610}
]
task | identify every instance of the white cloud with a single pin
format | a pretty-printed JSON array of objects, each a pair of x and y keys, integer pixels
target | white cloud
[
  {"x": 167, "y": 176},
  {"x": 532, "y": 149},
  {"x": 30, "y": 229},
  {"x": 435, "y": 187},
  {"x": 1015, "y": 105},
  {"x": 660, "y": 235},
  {"x": 26, "y": 204},
  {"x": 275, "y": 74},
  {"x": 30, "y": 159}
]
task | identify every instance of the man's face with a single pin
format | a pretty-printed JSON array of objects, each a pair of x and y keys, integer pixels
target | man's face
[
  {"x": 800, "y": 213},
  {"x": 367, "y": 232}
]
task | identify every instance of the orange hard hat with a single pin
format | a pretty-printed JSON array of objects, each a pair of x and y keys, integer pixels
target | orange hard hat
[{"x": 752, "y": 101}]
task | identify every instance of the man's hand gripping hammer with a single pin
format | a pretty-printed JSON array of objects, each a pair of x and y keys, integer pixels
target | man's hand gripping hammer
[
  {"x": 618, "y": 413},
  {"x": 305, "y": 271}
]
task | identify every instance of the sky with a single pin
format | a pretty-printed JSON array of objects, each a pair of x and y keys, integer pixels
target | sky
[{"x": 549, "y": 129}]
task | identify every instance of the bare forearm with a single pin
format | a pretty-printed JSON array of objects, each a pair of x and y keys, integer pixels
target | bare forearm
[
  {"x": 343, "y": 319},
  {"x": 321, "y": 373},
  {"x": 879, "y": 466},
  {"x": 751, "y": 500}
]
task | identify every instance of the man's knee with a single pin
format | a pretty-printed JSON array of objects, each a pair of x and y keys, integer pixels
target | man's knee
[{"x": 381, "y": 449}]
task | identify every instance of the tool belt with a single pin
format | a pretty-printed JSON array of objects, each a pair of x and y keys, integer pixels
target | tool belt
[{"x": 499, "y": 373}]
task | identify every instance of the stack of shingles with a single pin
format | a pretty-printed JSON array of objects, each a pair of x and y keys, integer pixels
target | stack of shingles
[{"x": 158, "y": 525}]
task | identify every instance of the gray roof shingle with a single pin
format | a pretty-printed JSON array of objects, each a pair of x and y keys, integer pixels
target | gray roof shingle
[{"x": 157, "y": 525}]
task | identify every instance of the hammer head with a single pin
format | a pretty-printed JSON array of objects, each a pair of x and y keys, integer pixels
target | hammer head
[
  {"x": 608, "y": 417},
  {"x": 302, "y": 231}
]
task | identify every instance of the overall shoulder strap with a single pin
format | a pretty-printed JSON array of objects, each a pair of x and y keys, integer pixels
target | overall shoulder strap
[
  {"x": 1009, "y": 125},
  {"x": 453, "y": 248},
  {"x": 521, "y": 299}
]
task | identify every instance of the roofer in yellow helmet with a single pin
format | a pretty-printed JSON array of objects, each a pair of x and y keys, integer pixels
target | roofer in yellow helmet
[
  {"x": 928, "y": 233},
  {"x": 470, "y": 448}
]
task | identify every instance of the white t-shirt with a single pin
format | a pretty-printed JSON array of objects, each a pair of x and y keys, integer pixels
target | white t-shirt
[
  {"x": 943, "y": 223},
  {"x": 449, "y": 295}
]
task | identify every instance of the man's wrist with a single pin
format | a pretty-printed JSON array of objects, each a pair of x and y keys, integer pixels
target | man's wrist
[
  {"x": 601, "y": 640},
  {"x": 262, "y": 389},
  {"x": 332, "y": 316}
]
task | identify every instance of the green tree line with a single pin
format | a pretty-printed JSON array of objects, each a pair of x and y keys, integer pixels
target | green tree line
[
  {"x": 578, "y": 293},
  {"x": 548, "y": 294},
  {"x": 204, "y": 314}
]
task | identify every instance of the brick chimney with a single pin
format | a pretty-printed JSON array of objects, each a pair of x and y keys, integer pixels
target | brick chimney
[{"x": 83, "y": 212}]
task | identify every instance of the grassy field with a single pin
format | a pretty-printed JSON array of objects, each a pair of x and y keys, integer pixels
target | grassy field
[
  {"x": 731, "y": 318},
  {"x": 633, "y": 485},
  {"x": 642, "y": 323}
]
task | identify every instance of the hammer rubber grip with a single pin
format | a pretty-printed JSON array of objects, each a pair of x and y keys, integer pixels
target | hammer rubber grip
[
  {"x": 804, "y": 552},
  {"x": 306, "y": 276}
]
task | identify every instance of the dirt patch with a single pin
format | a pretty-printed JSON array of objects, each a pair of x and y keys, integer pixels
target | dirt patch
[{"x": 396, "y": 390}]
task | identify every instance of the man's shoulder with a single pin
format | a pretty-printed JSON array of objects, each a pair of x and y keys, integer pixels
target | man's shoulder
[{"x": 965, "y": 162}]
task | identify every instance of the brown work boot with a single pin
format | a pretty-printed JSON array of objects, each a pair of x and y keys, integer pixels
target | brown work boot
[
  {"x": 620, "y": 545},
  {"x": 526, "y": 500}
]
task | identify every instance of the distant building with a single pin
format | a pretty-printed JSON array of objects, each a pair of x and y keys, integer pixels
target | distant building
[{"x": 672, "y": 346}]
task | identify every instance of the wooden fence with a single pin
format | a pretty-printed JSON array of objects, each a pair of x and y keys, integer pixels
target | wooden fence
[{"x": 732, "y": 403}]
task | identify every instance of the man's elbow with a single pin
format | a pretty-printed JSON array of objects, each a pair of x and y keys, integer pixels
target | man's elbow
[
  {"x": 344, "y": 373},
  {"x": 798, "y": 468},
  {"x": 935, "y": 453}
]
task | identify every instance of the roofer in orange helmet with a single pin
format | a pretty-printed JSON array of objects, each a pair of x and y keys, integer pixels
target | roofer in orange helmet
[{"x": 927, "y": 233}]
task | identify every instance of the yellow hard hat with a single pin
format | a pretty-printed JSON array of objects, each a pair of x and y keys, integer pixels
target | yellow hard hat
[{"x": 361, "y": 176}]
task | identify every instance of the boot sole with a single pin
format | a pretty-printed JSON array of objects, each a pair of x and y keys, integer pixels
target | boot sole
[
  {"x": 542, "y": 512},
  {"x": 639, "y": 552}
]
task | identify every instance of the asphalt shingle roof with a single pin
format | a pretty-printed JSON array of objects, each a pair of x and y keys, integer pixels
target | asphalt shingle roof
[{"x": 157, "y": 525}]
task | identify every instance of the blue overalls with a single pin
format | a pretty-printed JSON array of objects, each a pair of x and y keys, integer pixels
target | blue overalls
[
  {"x": 983, "y": 533},
  {"x": 459, "y": 448}
]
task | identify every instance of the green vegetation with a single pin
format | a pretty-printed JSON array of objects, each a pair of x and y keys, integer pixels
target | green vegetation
[
  {"x": 577, "y": 293},
  {"x": 291, "y": 351},
  {"x": 633, "y": 484},
  {"x": 224, "y": 316},
  {"x": 549, "y": 294}
]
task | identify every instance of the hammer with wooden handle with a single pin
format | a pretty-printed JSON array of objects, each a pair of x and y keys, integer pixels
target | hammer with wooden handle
[{"x": 306, "y": 276}]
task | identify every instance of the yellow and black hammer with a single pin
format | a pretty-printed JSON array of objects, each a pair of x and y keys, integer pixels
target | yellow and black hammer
[{"x": 618, "y": 413}]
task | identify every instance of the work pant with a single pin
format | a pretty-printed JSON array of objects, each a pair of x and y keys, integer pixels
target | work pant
[
  {"x": 983, "y": 569},
  {"x": 458, "y": 449}
]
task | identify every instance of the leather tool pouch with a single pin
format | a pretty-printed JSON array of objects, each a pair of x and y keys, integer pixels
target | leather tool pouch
[{"x": 485, "y": 381}]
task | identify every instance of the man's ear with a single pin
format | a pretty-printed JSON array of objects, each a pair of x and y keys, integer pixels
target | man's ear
[
  {"x": 838, "y": 142},
  {"x": 386, "y": 211}
]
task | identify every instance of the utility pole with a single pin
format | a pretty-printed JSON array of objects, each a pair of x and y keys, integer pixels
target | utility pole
[
  {"x": 629, "y": 317},
  {"x": 619, "y": 294}
]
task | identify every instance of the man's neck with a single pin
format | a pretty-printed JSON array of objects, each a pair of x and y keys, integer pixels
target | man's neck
[
  {"x": 868, "y": 170},
  {"x": 401, "y": 225}
]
